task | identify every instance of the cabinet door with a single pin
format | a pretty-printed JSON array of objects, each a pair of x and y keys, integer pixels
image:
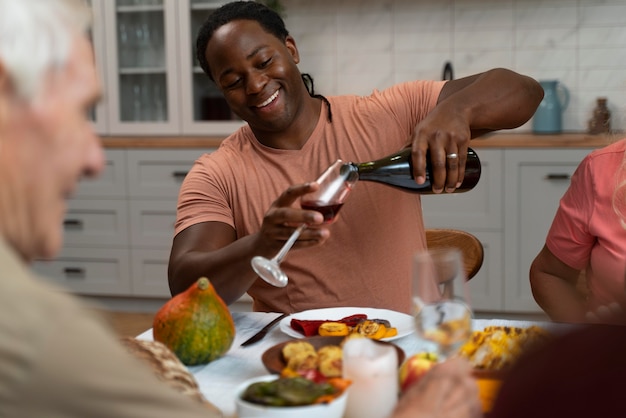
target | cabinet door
[
  {"x": 149, "y": 272},
  {"x": 535, "y": 181},
  {"x": 479, "y": 208},
  {"x": 479, "y": 212},
  {"x": 142, "y": 71},
  {"x": 96, "y": 223},
  {"x": 89, "y": 271},
  {"x": 152, "y": 223},
  {"x": 204, "y": 110},
  {"x": 487, "y": 286},
  {"x": 159, "y": 173},
  {"x": 111, "y": 182}
]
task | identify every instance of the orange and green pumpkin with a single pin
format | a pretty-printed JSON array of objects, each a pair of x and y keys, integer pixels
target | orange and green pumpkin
[{"x": 196, "y": 324}]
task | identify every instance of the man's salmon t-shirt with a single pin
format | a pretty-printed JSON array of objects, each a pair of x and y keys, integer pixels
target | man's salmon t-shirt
[{"x": 367, "y": 260}]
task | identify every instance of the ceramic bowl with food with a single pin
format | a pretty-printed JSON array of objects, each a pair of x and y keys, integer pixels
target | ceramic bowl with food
[
  {"x": 245, "y": 409},
  {"x": 275, "y": 362}
]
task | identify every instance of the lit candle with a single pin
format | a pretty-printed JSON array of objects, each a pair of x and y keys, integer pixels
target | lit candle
[{"x": 373, "y": 369}]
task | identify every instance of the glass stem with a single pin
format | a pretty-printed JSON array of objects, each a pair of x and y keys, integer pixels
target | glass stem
[{"x": 292, "y": 239}]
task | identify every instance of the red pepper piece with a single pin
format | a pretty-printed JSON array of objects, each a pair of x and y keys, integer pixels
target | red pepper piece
[{"x": 309, "y": 327}]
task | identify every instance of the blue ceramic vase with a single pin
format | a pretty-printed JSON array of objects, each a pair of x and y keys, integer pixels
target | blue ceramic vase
[{"x": 548, "y": 118}]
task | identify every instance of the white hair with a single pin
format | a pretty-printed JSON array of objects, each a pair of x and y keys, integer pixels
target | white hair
[{"x": 35, "y": 36}]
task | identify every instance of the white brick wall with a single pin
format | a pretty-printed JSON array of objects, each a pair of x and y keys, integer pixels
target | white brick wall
[{"x": 354, "y": 46}]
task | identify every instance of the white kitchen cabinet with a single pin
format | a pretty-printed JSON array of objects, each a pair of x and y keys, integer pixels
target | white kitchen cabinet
[
  {"x": 510, "y": 211},
  {"x": 145, "y": 51},
  {"x": 111, "y": 183},
  {"x": 89, "y": 271},
  {"x": 129, "y": 211},
  {"x": 158, "y": 174},
  {"x": 95, "y": 259},
  {"x": 149, "y": 272},
  {"x": 478, "y": 209},
  {"x": 119, "y": 228},
  {"x": 152, "y": 223},
  {"x": 487, "y": 287},
  {"x": 96, "y": 222},
  {"x": 141, "y": 39},
  {"x": 203, "y": 108},
  {"x": 535, "y": 181},
  {"x": 479, "y": 212}
]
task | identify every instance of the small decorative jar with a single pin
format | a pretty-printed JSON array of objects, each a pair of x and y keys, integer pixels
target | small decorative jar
[{"x": 600, "y": 121}]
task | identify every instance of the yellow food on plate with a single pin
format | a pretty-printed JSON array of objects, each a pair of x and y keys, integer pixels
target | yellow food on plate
[
  {"x": 330, "y": 360},
  {"x": 301, "y": 356},
  {"x": 391, "y": 332},
  {"x": 293, "y": 348},
  {"x": 331, "y": 351},
  {"x": 303, "y": 360},
  {"x": 333, "y": 329},
  {"x": 495, "y": 349},
  {"x": 371, "y": 329},
  {"x": 376, "y": 329},
  {"x": 498, "y": 347}
]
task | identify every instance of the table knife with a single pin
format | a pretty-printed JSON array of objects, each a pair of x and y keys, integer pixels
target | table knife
[{"x": 259, "y": 335}]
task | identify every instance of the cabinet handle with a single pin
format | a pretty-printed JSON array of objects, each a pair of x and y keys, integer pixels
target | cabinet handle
[
  {"x": 76, "y": 223},
  {"x": 180, "y": 174},
  {"x": 557, "y": 176},
  {"x": 74, "y": 271}
]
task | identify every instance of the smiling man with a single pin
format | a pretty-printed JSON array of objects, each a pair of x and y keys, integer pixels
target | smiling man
[{"x": 239, "y": 201}]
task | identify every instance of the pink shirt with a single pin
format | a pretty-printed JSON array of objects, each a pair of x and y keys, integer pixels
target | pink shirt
[
  {"x": 367, "y": 260},
  {"x": 586, "y": 232}
]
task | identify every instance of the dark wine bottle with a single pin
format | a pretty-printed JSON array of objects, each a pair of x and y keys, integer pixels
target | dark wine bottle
[{"x": 397, "y": 170}]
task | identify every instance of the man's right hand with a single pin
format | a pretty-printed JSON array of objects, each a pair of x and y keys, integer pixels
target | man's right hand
[{"x": 285, "y": 215}]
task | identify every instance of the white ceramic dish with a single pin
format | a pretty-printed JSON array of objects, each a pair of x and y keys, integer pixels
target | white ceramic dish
[
  {"x": 335, "y": 409},
  {"x": 401, "y": 321}
]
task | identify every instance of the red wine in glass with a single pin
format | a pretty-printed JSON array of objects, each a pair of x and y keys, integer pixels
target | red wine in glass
[
  {"x": 334, "y": 186},
  {"x": 328, "y": 210}
]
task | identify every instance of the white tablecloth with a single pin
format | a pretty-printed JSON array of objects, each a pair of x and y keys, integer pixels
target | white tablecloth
[{"x": 219, "y": 379}]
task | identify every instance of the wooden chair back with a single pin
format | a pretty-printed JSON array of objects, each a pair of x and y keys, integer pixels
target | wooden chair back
[{"x": 468, "y": 244}]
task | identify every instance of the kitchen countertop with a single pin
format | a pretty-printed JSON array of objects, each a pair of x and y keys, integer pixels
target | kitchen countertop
[{"x": 494, "y": 140}]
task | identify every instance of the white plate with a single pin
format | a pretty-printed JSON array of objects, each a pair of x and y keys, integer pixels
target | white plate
[{"x": 401, "y": 321}]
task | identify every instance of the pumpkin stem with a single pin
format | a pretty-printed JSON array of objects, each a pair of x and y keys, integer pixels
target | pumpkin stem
[{"x": 203, "y": 283}]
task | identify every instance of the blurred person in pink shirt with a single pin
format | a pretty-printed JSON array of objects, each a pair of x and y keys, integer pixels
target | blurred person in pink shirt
[{"x": 586, "y": 236}]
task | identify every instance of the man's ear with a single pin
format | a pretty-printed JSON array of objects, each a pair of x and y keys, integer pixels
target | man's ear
[{"x": 290, "y": 43}]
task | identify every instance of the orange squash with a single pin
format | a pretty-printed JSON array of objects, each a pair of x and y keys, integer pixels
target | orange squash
[{"x": 196, "y": 324}]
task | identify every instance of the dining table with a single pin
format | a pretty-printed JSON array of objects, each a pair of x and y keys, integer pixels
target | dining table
[{"x": 219, "y": 379}]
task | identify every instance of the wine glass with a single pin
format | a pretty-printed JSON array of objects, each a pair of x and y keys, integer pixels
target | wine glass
[
  {"x": 440, "y": 299},
  {"x": 334, "y": 186}
]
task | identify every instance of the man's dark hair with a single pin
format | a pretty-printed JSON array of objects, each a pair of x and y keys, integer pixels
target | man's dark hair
[{"x": 269, "y": 20}]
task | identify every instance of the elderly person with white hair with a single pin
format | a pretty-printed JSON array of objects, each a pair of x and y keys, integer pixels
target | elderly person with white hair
[{"x": 56, "y": 360}]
